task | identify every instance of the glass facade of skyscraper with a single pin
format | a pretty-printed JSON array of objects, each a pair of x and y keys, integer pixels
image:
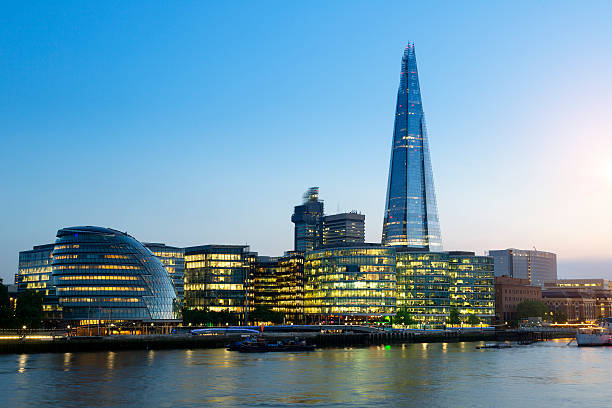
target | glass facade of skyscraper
[
  {"x": 349, "y": 283},
  {"x": 101, "y": 274},
  {"x": 411, "y": 214},
  {"x": 216, "y": 277},
  {"x": 308, "y": 234}
]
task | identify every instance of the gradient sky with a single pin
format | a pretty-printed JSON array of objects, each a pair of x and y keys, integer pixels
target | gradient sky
[{"x": 204, "y": 122}]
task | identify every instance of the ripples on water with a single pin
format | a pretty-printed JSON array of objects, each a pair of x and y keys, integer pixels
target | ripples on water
[{"x": 420, "y": 375}]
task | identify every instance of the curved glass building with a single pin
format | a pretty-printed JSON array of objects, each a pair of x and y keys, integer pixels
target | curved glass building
[
  {"x": 101, "y": 274},
  {"x": 350, "y": 283}
]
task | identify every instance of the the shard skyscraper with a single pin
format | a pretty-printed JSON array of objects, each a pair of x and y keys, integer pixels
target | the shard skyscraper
[{"x": 411, "y": 214}]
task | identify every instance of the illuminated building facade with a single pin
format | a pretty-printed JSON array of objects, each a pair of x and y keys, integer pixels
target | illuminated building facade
[
  {"x": 307, "y": 218},
  {"x": 35, "y": 273},
  {"x": 343, "y": 229},
  {"x": 216, "y": 277},
  {"x": 424, "y": 285},
  {"x": 104, "y": 275},
  {"x": 537, "y": 266},
  {"x": 429, "y": 284},
  {"x": 349, "y": 283},
  {"x": 472, "y": 289},
  {"x": 411, "y": 214},
  {"x": 173, "y": 259},
  {"x": 278, "y": 283}
]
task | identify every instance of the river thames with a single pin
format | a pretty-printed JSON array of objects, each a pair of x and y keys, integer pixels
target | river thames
[{"x": 421, "y": 375}]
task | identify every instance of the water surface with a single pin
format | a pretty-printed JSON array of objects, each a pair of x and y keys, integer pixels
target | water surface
[{"x": 420, "y": 375}]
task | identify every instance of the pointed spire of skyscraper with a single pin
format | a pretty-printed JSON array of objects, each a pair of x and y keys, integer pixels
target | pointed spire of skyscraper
[{"x": 411, "y": 214}]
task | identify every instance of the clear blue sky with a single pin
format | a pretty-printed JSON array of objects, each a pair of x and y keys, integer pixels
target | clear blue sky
[{"x": 204, "y": 122}]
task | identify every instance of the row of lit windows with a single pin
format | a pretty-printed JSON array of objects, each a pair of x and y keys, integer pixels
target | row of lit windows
[
  {"x": 214, "y": 264},
  {"x": 101, "y": 288},
  {"x": 213, "y": 286},
  {"x": 69, "y": 256},
  {"x": 129, "y": 267},
  {"x": 66, "y": 246},
  {"x": 97, "y": 277},
  {"x": 114, "y": 256},
  {"x": 220, "y": 257},
  {"x": 97, "y": 300},
  {"x": 168, "y": 254}
]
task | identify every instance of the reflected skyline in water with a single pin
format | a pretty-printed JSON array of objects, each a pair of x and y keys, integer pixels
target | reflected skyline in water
[{"x": 435, "y": 374}]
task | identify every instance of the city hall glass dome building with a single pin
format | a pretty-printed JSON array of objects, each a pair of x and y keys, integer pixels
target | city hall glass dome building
[{"x": 101, "y": 274}]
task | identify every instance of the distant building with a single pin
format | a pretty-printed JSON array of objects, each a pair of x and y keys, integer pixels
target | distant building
[
  {"x": 35, "y": 273},
  {"x": 173, "y": 259},
  {"x": 35, "y": 270},
  {"x": 585, "y": 284},
  {"x": 579, "y": 295},
  {"x": 537, "y": 266},
  {"x": 307, "y": 218},
  {"x": 429, "y": 284},
  {"x": 104, "y": 275},
  {"x": 509, "y": 292},
  {"x": 576, "y": 306},
  {"x": 216, "y": 277},
  {"x": 343, "y": 229},
  {"x": 349, "y": 284}
]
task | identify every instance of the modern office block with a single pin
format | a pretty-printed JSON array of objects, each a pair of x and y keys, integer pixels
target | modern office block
[
  {"x": 349, "y": 284},
  {"x": 308, "y": 233},
  {"x": 343, "y": 229},
  {"x": 104, "y": 275},
  {"x": 173, "y": 259},
  {"x": 429, "y": 284},
  {"x": 278, "y": 283},
  {"x": 216, "y": 277},
  {"x": 35, "y": 273},
  {"x": 537, "y": 266},
  {"x": 423, "y": 286},
  {"x": 411, "y": 214},
  {"x": 472, "y": 289}
]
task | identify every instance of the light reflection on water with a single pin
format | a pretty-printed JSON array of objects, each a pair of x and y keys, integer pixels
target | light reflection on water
[{"x": 439, "y": 375}]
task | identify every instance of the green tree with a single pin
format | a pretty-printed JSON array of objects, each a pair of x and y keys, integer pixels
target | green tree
[
  {"x": 559, "y": 317},
  {"x": 404, "y": 317},
  {"x": 531, "y": 308},
  {"x": 264, "y": 313},
  {"x": 473, "y": 320},
  {"x": 454, "y": 317},
  {"x": 7, "y": 317},
  {"x": 29, "y": 311}
]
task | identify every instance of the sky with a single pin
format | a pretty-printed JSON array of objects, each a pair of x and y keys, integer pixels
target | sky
[{"x": 193, "y": 122}]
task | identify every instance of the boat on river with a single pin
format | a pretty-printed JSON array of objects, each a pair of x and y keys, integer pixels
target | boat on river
[
  {"x": 596, "y": 336},
  {"x": 260, "y": 345}
]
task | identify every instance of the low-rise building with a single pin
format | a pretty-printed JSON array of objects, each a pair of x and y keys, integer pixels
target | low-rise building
[{"x": 509, "y": 292}]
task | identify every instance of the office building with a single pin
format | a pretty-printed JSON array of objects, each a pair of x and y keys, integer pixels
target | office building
[
  {"x": 343, "y": 229},
  {"x": 411, "y": 214},
  {"x": 104, "y": 275},
  {"x": 278, "y": 283},
  {"x": 35, "y": 273},
  {"x": 472, "y": 289},
  {"x": 509, "y": 293},
  {"x": 349, "y": 284},
  {"x": 307, "y": 217},
  {"x": 537, "y": 266},
  {"x": 429, "y": 284},
  {"x": 216, "y": 277},
  {"x": 173, "y": 259}
]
